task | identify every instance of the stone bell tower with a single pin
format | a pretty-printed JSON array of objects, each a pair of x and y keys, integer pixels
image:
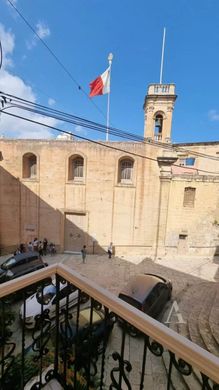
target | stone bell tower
[{"x": 158, "y": 109}]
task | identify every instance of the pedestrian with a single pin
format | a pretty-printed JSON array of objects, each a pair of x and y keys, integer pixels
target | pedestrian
[
  {"x": 40, "y": 248},
  {"x": 110, "y": 250},
  {"x": 30, "y": 247},
  {"x": 17, "y": 252},
  {"x": 22, "y": 248},
  {"x": 84, "y": 253},
  {"x": 35, "y": 244},
  {"x": 45, "y": 244}
]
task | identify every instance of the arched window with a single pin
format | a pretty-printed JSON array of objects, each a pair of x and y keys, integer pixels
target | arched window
[
  {"x": 29, "y": 166},
  {"x": 126, "y": 170},
  {"x": 76, "y": 168},
  {"x": 189, "y": 197},
  {"x": 158, "y": 127}
]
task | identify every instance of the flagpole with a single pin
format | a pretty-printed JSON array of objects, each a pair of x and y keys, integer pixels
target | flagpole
[
  {"x": 110, "y": 59},
  {"x": 162, "y": 55}
]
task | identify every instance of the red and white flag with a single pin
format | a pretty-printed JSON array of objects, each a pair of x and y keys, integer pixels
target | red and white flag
[{"x": 101, "y": 84}]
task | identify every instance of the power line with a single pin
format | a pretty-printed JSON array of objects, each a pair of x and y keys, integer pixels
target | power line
[
  {"x": 140, "y": 139},
  {"x": 63, "y": 116},
  {"x": 80, "y": 88},
  {"x": 98, "y": 142}
]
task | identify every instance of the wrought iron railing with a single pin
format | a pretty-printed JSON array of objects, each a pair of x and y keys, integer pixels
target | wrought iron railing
[{"x": 81, "y": 336}]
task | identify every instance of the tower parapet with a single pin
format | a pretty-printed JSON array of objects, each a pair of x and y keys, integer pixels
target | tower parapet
[{"x": 158, "y": 108}]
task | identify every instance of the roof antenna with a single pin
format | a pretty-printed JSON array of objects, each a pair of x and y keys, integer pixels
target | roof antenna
[{"x": 162, "y": 55}]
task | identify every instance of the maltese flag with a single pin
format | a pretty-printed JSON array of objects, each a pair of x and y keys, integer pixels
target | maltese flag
[{"x": 101, "y": 84}]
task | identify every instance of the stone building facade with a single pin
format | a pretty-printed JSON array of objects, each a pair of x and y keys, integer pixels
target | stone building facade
[{"x": 151, "y": 197}]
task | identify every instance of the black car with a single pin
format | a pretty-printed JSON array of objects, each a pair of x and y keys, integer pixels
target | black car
[
  {"x": 148, "y": 293},
  {"x": 89, "y": 338},
  {"x": 19, "y": 265}
]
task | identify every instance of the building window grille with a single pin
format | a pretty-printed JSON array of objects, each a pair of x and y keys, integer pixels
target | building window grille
[
  {"x": 29, "y": 166},
  {"x": 76, "y": 168},
  {"x": 189, "y": 197},
  {"x": 126, "y": 170}
]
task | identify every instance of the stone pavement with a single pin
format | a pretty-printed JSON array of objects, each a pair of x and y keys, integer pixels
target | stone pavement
[
  {"x": 114, "y": 273},
  {"x": 195, "y": 289}
]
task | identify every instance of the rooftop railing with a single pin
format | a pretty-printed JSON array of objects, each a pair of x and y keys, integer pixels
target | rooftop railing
[
  {"x": 81, "y": 336},
  {"x": 161, "y": 89}
]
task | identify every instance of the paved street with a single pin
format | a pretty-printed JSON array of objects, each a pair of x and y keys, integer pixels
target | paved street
[
  {"x": 194, "y": 282},
  {"x": 114, "y": 273}
]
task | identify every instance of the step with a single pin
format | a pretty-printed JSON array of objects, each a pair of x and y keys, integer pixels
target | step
[
  {"x": 214, "y": 316},
  {"x": 177, "y": 380},
  {"x": 195, "y": 309},
  {"x": 203, "y": 323},
  {"x": 193, "y": 381}
]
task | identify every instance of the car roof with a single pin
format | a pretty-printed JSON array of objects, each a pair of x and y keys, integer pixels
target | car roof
[
  {"x": 85, "y": 316},
  {"x": 25, "y": 255},
  {"x": 141, "y": 285}
]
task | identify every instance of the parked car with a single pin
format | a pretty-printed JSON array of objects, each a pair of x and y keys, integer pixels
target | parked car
[
  {"x": 19, "y": 265},
  {"x": 45, "y": 300},
  {"x": 148, "y": 293},
  {"x": 87, "y": 342}
]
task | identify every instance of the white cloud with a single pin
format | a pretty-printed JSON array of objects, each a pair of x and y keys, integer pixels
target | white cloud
[
  {"x": 42, "y": 30},
  {"x": 7, "y": 42},
  {"x": 14, "y": 85},
  {"x": 213, "y": 115},
  {"x": 51, "y": 102}
]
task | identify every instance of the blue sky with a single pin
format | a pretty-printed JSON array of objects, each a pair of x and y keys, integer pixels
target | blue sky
[{"x": 83, "y": 32}]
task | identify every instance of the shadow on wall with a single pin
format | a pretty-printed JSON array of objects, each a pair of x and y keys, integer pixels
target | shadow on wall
[{"x": 24, "y": 216}]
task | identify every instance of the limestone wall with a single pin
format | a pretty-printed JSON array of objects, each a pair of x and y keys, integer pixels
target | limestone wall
[{"x": 137, "y": 217}]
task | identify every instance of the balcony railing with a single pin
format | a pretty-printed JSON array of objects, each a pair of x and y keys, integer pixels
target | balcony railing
[{"x": 80, "y": 336}]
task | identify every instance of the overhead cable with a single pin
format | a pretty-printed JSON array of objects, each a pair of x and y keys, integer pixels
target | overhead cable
[
  {"x": 79, "y": 121},
  {"x": 69, "y": 74},
  {"x": 106, "y": 145}
]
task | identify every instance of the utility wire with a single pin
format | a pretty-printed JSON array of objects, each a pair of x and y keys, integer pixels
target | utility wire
[
  {"x": 99, "y": 143},
  {"x": 80, "y": 88},
  {"x": 60, "y": 115},
  {"x": 152, "y": 142}
]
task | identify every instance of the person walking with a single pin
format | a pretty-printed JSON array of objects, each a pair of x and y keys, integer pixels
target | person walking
[
  {"x": 84, "y": 253},
  {"x": 110, "y": 250}
]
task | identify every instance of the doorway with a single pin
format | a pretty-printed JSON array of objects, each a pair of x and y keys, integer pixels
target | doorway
[{"x": 75, "y": 231}]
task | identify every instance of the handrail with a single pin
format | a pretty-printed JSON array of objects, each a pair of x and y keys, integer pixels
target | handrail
[{"x": 183, "y": 348}]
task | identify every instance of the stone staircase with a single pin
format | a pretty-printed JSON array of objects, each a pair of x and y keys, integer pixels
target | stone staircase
[{"x": 199, "y": 306}]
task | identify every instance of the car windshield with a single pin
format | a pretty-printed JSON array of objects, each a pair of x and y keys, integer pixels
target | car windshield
[
  {"x": 8, "y": 263},
  {"x": 44, "y": 296}
]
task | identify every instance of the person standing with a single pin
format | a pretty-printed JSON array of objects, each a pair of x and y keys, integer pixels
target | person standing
[
  {"x": 30, "y": 247},
  {"x": 84, "y": 253},
  {"x": 35, "y": 244},
  {"x": 40, "y": 248},
  {"x": 110, "y": 250},
  {"x": 45, "y": 244}
]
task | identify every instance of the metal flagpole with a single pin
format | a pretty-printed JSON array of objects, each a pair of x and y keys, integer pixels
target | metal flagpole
[
  {"x": 162, "y": 55},
  {"x": 110, "y": 58}
]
